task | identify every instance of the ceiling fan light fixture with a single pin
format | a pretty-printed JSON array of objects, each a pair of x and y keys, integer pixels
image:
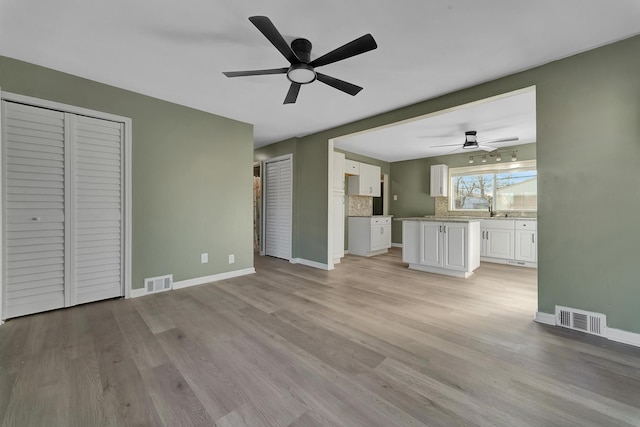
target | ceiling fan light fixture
[
  {"x": 470, "y": 141},
  {"x": 301, "y": 73}
]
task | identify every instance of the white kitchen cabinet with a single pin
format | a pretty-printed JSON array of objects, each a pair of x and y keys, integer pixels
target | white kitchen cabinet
[
  {"x": 351, "y": 167},
  {"x": 338, "y": 171},
  {"x": 451, "y": 248},
  {"x": 526, "y": 241},
  {"x": 369, "y": 236},
  {"x": 439, "y": 180},
  {"x": 497, "y": 239},
  {"x": 338, "y": 226},
  {"x": 367, "y": 183},
  {"x": 508, "y": 241},
  {"x": 380, "y": 234}
]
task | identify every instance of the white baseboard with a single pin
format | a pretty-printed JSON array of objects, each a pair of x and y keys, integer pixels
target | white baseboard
[
  {"x": 396, "y": 245},
  {"x": 545, "y": 318},
  {"x": 213, "y": 278},
  {"x": 617, "y": 335},
  {"x": 137, "y": 293},
  {"x": 624, "y": 337},
  {"x": 310, "y": 263}
]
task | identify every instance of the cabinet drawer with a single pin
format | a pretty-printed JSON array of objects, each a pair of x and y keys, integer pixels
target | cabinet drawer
[
  {"x": 380, "y": 221},
  {"x": 497, "y": 224},
  {"x": 526, "y": 225}
]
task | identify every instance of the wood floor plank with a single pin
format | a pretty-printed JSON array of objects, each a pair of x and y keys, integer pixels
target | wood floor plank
[{"x": 370, "y": 343}]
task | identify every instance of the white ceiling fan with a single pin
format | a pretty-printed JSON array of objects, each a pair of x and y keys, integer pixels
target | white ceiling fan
[{"x": 471, "y": 142}]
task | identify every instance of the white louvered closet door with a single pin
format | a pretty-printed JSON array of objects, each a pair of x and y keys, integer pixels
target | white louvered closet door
[
  {"x": 278, "y": 206},
  {"x": 63, "y": 209},
  {"x": 34, "y": 214},
  {"x": 97, "y": 214}
]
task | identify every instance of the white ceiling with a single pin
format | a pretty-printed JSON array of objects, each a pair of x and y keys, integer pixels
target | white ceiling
[
  {"x": 511, "y": 115},
  {"x": 177, "y": 50}
]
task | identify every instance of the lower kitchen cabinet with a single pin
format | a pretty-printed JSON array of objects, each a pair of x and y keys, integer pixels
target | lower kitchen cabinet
[
  {"x": 509, "y": 241},
  {"x": 369, "y": 236},
  {"x": 497, "y": 239},
  {"x": 526, "y": 245},
  {"x": 450, "y": 248}
]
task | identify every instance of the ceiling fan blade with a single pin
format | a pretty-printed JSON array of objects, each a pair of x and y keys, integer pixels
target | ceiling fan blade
[
  {"x": 272, "y": 34},
  {"x": 356, "y": 47},
  {"x": 346, "y": 87},
  {"x": 255, "y": 72},
  {"x": 447, "y": 145},
  {"x": 494, "y": 141},
  {"x": 292, "y": 95}
]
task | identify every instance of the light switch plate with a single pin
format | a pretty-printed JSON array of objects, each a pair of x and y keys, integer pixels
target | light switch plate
[
  {"x": 232, "y": 258},
  {"x": 395, "y": 197},
  {"x": 204, "y": 258}
]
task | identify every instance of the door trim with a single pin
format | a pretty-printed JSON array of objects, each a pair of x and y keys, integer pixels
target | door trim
[{"x": 127, "y": 169}]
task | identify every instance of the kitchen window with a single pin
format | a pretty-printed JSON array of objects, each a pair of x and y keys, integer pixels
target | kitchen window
[{"x": 506, "y": 187}]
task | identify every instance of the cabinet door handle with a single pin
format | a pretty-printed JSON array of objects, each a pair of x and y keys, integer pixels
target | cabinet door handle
[
  {"x": 487, "y": 235},
  {"x": 439, "y": 229},
  {"x": 444, "y": 228},
  {"x": 533, "y": 238},
  {"x": 483, "y": 235}
]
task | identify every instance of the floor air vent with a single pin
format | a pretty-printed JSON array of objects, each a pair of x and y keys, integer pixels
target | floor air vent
[
  {"x": 158, "y": 284},
  {"x": 580, "y": 320}
]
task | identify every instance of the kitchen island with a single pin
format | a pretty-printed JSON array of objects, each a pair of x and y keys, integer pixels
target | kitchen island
[{"x": 441, "y": 245}]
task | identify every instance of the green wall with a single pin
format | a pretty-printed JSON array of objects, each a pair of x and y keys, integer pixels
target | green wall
[
  {"x": 411, "y": 182},
  {"x": 588, "y": 152},
  {"x": 192, "y": 177}
]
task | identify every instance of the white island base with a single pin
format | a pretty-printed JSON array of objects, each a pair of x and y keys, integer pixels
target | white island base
[{"x": 449, "y": 248}]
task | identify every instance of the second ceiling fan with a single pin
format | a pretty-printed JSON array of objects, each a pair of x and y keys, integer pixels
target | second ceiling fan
[
  {"x": 471, "y": 142},
  {"x": 302, "y": 69}
]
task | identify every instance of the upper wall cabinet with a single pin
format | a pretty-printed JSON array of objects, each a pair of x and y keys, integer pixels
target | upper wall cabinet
[
  {"x": 351, "y": 167},
  {"x": 367, "y": 183},
  {"x": 439, "y": 180}
]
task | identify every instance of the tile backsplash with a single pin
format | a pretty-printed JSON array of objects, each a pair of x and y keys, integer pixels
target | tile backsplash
[{"x": 360, "y": 206}]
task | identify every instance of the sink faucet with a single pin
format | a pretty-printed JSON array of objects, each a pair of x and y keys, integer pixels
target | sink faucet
[{"x": 491, "y": 213}]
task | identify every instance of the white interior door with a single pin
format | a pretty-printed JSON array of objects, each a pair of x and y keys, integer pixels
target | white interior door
[
  {"x": 278, "y": 186},
  {"x": 63, "y": 209},
  {"x": 34, "y": 209},
  {"x": 97, "y": 215}
]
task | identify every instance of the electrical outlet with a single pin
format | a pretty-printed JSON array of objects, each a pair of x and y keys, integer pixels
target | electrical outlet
[
  {"x": 395, "y": 197},
  {"x": 232, "y": 258},
  {"x": 204, "y": 258}
]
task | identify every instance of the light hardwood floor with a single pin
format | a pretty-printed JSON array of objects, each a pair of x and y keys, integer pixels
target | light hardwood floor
[{"x": 368, "y": 344}]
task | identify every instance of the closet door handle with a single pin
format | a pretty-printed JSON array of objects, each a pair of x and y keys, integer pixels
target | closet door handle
[{"x": 35, "y": 218}]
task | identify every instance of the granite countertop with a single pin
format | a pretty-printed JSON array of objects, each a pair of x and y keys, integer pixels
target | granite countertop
[
  {"x": 521, "y": 218},
  {"x": 370, "y": 216},
  {"x": 438, "y": 219},
  {"x": 462, "y": 218}
]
